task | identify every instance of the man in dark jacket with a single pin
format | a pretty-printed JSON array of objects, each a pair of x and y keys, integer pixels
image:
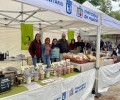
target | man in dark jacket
[
  {"x": 63, "y": 44},
  {"x": 101, "y": 44},
  {"x": 35, "y": 49},
  {"x": 80, "y": 44}
]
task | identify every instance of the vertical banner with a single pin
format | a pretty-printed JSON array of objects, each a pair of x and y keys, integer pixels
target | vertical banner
[
  {"x": 70, "y": 35},
  {"x": 26, "y": 35}
]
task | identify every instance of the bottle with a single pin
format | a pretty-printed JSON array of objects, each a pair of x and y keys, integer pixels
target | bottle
[
  {"x": 7, "y": 54},
  {"x": 4, "y": 55}
]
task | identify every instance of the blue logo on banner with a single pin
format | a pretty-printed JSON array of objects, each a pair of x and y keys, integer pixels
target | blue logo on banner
[
  {"x": 79, "y": 12},
  {"x": 68, "y": 6},
  {"x": 64, "y": 96}
]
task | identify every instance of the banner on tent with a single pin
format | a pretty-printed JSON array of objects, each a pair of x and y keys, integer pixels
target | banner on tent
[
  {"x": 70, "y": 35},
  {"x": 108, "y": 75},
  {"x": 26, "y": 35},
  {"x": 77, "y": 87},
  {"x": 67, "y": 7},
  {"x": 110, "y": 22}
]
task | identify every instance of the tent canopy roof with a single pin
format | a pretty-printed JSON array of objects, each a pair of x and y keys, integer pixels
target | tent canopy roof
[
  {"x": 106, "y": 20},
  {"x": 16, "y": 12}
]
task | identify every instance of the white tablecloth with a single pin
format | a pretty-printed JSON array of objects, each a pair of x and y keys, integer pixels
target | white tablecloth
[
  {"x": 91, "y": 65},
  {"x": 17, "y": 64},
  {"x": 84, "y": 67}
]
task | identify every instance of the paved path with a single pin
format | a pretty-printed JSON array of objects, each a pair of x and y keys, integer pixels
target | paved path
[{"x": 112, "y": 94}]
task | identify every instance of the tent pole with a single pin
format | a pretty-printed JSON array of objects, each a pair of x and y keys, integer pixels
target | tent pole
[
  {"x": 13, "y": 19},
  {"x": 30, "y": 15},
  {"x": 22, "y": 12},
  {"x": 97, "y": 58},
  {"x": 79, "y": 32},
  {"x": 41, "y": 32}
]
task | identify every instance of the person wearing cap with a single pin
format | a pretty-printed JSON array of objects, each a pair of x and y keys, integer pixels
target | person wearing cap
[
  {"x": 35, "y": 49},
  {"x": 63, "y": 45}
]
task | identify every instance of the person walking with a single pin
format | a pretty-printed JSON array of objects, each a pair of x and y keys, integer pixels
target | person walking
[
  {"x": 46, "y": 47},
  {"x": 55, "y": 51},
  {"x": 35, "y": 49}
]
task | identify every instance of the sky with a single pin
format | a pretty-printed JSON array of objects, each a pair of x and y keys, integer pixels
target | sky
[{"x": 115, "y": 6}]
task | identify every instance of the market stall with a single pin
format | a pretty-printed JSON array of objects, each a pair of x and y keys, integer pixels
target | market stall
[
  {"x": 111, "y": 26},
  {"x": 55, "y": 23},
  {"x": 80, "y": 17},
  {"x": 63, "y": 22}
]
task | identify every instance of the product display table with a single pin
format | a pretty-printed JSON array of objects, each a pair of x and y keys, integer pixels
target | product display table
[
  {"x": 91, "y": 65},
  {"x": 19, "y": 89},
  {"x": 22, "y": 59},
  {"x": 13, "y": 63}
]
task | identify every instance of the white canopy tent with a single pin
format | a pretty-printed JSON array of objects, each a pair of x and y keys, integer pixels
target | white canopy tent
[
  {"x": 50, "y": 22},
  {"x": 109, "y": 25},
  {"x": 74, "y": 16},
  {"x": 15, "y": 13}
]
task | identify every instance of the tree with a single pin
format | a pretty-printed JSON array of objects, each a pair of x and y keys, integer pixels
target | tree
[
  {"x": 105, "y": 6},
  {"x": 116, "y": 0},
  {"x": 115, "y": 14},
  {"x": 95, "y": 2},
  {"x": 80, "y": 1}
]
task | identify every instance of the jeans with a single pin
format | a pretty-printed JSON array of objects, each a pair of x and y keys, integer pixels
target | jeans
[
  {"x": 54, "y": 60},
  {"x": 36, "y": 60},
  {"x": 46, "y": 60}
]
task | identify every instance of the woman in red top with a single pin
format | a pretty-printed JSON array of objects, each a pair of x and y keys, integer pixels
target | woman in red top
[
  {"x": 72, "y": 45},
  {"x": 35, "y": 49}
]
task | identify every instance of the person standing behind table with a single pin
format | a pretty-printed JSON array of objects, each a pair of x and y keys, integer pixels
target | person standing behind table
[
  {"x": 46, "y": 52},
  {"x": 55, "y": 51},
  {"x": 35, "y": 49},
  {"x": 80, "y": 44},
  {"x": 101, "y": 44},
  {"x": 93, "y": 46},
  {"x": 63, "y": 44},
  {"x": 88, "y": 46},
  {"x": 72, "y": 45},
  {"x": 118, "y": 50}
]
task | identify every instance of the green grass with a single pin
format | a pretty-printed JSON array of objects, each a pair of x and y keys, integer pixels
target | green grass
[
  {"x": 39, "y": 82},
  {"x": 71, "y": 74},
  {"x": 14, "y": 90},
  {"x": 64, "y": 76},
  {"x": 19, "y": 89}
]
